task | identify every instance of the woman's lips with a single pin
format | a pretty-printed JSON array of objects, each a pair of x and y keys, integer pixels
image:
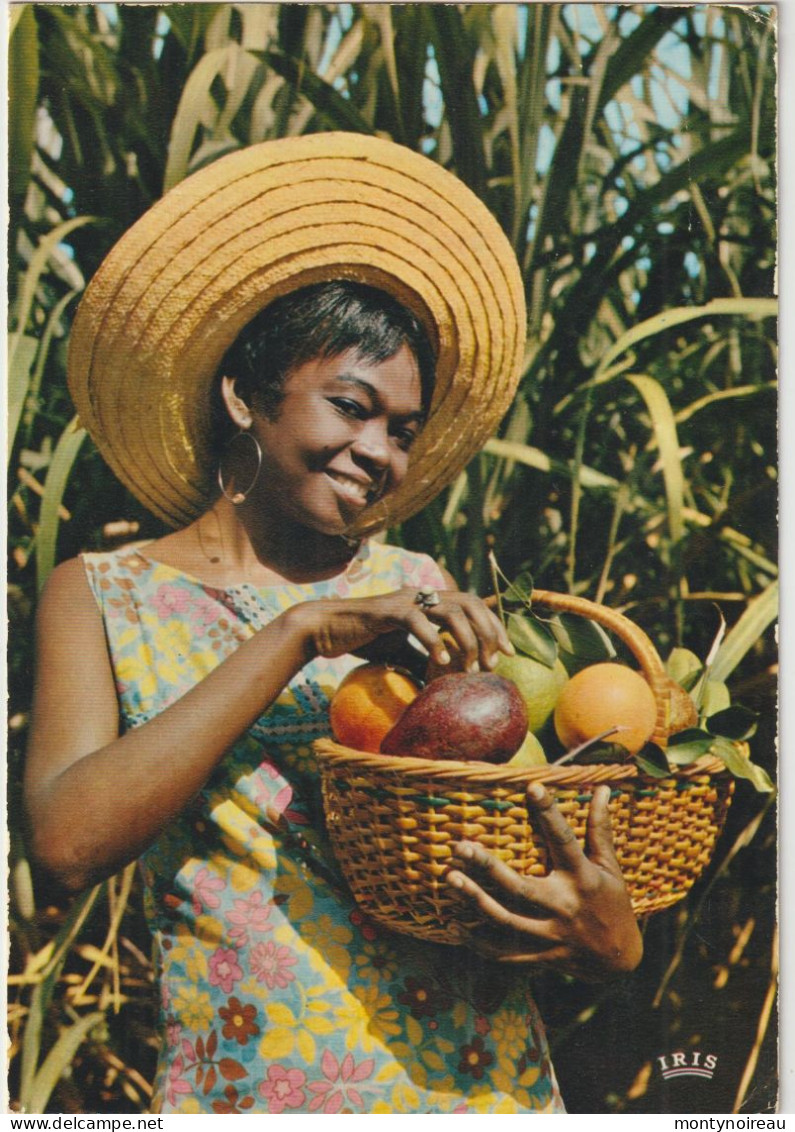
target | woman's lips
[{"x": 354, "y": 490}]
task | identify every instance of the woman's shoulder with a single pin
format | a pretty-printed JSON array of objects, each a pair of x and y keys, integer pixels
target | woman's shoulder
[
  {"x": 109, "y": 563},
  {"x": 68, "y": 592}
]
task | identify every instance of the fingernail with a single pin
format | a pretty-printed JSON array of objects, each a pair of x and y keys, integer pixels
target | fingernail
[
  {"x": 473, "y": 667},
  {"x": 493, "y": 659},
  {"x": 444, "y": 657},
  {"x": 535, "y": 791},
  {"x": 455, "y": 879},
  {"x": 464, "y": 850}
]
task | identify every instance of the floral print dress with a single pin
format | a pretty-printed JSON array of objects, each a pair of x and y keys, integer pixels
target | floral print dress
[{"x": 277, "y": 995}]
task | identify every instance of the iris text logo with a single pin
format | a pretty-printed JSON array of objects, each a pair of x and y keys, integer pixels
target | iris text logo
[{"x": 694, "y": 1063}]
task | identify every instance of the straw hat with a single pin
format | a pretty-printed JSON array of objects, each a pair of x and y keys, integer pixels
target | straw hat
[{"x": 177, "y": 289}]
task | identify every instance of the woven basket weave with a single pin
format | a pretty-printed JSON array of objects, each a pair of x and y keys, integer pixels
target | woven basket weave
[{"x": 393, "y": 821}]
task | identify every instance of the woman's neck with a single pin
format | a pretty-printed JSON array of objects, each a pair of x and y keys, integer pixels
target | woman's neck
[{"x": 221, "y": 548}]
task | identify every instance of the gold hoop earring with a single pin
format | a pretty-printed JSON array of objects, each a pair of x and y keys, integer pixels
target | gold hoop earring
[{"x": 239, "y": 497}]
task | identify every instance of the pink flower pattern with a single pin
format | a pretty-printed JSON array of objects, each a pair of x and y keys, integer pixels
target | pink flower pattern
[
  {"x": 225, "y": 970},
  {"x": 177, "y": 1085},
  {"x": 206, "y": 888},
  {"x": 170, "y": 601},
  {"x": 283, "y": 1088},
  {"x": 204, "y": 611},
  {"x": 338, "y": 1086},
  {"x": 250, "y": 915},
  {"x": 271, "y": 964}
]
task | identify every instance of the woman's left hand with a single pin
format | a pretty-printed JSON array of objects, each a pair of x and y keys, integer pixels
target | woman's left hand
[{"x": 577, "y": 919}]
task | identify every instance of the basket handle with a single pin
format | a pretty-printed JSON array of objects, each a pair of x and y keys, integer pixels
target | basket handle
[{"x": 633, "y": 637}]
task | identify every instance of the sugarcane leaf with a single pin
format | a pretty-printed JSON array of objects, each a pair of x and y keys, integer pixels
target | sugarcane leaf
[
  {"x": 36, "y": 267},
  {"x": 534, "y": 458},
  {"x": 19, "y": 375},
  {"x": 196, "y": 107},
  {"x": 63, "y": 458},
  {"x": 23, "y": 87},
  {"x": 664, "y": 426},
  {"x": 42, "y": 994},
  {"x": 454, "y": 56},
  {"x": 676, "y": 316},
  {"x": 717, "y": 395},
  {"x": 744, "y": 634},
  {"x": 738, "y": 763},
  {"x": 338, "y": 112},
  {"x": 59, "y": 1059}
]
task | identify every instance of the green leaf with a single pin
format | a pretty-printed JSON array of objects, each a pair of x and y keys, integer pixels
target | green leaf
[
  {"x": 744, "y": 634},
  {"x": 652, "y": 760},
  {"x": 603, "y": 753},
  {"x": 741, "y": 766},
  {"x": 23, "y": 88},
  {"x": 189, "y": 22},
  {"x": 723, "y": 395},
  {"x": 196, "y": 107},
  {"x": 580, "y": 637},
  {"x": 36, "y": 267},
  {"x": 664, "y": 425},
  {"x": 520, "y": 589},
  {"x": 714, "y": 698},
  {"x": 735, "y": 722},
  {"x": 530, "y": 637},
  {"x": 59, "y": 1059},
  {"x": 455, "y": 57},
  {"x": 60, "y": 466},
  {"x": 76, "y": 917},
  {"x": 663, "y": 323},
  {"x": 19, "y": 373},
  {"x": 534, "y": 458},
  {"x": 687, "y": 746},
  {"x": 684, "y": 667},
  {"x": 339, "y": 113}
]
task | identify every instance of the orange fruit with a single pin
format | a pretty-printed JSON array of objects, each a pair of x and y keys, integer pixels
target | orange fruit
[
  {"x": 368, "y": 703},
  {"x": 602, "y": 696}
]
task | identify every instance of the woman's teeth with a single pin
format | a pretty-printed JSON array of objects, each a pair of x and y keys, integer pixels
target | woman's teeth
[{"x": 355, "y": 489}]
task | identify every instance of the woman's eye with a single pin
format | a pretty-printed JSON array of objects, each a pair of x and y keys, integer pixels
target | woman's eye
[
  {"x": 406, "y": 437},
  {"x": 349, "y": 408}
]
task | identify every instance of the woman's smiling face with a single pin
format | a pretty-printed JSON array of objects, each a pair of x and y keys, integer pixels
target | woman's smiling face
[{"x": 340, "y": 439}]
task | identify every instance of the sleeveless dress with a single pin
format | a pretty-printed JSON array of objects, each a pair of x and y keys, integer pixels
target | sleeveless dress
[{"x": 276, "y": 994}]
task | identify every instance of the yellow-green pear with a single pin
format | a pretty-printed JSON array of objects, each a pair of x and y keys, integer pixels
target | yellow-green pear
[
  {"x": 531, "y": 753},
  {"x": 538, "y": 685}
]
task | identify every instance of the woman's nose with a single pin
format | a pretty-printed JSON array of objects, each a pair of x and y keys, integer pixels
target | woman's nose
[{"x": 372, "y": 444}]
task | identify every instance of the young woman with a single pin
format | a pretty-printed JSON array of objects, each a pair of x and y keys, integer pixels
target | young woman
[{"x": 180, "y": 684}]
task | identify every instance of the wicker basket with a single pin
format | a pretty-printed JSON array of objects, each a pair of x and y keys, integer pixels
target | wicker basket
[{"x": 393, "y": 821}]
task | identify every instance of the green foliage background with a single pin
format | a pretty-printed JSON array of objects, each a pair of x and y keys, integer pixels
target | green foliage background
[{"x": 628, "y": 152}]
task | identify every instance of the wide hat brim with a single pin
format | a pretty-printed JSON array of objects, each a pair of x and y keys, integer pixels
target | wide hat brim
[{"x": 176, "y": 290}]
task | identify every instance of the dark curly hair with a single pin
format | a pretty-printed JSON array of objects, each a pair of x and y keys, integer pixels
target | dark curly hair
[{"x": 322, "y": 320}]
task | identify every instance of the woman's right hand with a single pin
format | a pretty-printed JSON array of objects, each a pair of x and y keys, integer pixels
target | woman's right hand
[{"x": 336, "y": 627}]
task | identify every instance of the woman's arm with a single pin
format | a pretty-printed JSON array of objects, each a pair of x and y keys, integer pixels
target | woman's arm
[{"x": 95, "y": 800}]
